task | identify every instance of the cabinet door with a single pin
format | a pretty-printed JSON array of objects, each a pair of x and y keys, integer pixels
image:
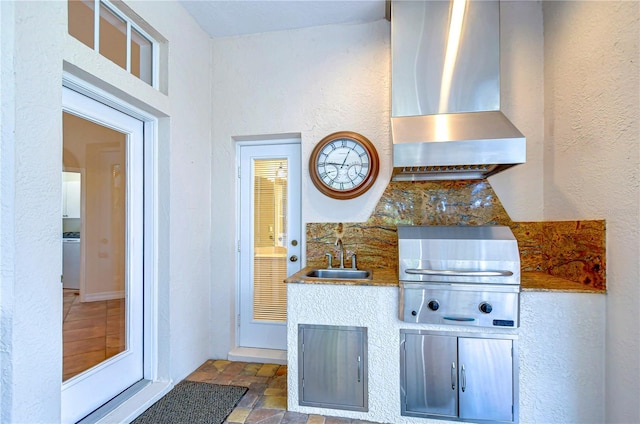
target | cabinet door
[
  {"x": 486, "y": 379},
  {"x": 71, "y": 194},
  {"x": 430, "y": 375},
  {"x": 332, "y": 367}
]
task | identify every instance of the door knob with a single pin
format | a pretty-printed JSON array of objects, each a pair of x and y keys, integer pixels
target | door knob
[{"x": 293, "y": 258}]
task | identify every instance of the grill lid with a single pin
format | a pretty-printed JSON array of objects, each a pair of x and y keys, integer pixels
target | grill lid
[{"x": 458, "y": 254}]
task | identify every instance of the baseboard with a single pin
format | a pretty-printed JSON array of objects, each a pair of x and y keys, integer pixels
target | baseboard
[
  {"x": 96, "y": 297},
  {"x": 263, "y": 356}
]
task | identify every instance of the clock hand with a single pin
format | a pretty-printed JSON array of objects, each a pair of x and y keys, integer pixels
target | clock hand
[{"x": 345, "y": 158}]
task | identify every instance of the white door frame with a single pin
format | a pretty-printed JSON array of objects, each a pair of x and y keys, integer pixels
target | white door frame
[
  {"x": 151, "y": 356},
  {"x": 261, "y": 141},
  {"x": 92, "y": 388}
]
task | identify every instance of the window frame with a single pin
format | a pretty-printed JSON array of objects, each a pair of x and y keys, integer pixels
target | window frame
[{"x": 130, "y": 24}]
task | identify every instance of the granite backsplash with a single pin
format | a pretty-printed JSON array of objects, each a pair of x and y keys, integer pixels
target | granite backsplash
[{"x": 573, "y": 250}]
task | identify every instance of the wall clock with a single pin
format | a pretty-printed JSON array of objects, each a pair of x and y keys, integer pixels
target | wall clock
[{"x": 344, "y": 165}]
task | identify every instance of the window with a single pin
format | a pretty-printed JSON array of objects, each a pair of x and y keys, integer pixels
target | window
[{"x": 102, "y": 27}]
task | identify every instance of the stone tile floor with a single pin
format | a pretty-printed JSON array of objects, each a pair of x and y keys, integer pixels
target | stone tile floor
[{"x": 266, "y": 400}]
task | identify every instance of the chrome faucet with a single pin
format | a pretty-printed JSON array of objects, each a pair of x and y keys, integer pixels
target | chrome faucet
[
  {"x": 340, "y": 256},
  {"x": 329, "y": 260},
  {"x": 340, "y": 251}
]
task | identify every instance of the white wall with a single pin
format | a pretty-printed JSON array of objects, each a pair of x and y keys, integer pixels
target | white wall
[
  {"x": 592, "y": 162},
  {"x": 31, "y": 165},
  {"x": 522, "y": 101},
  {"x": 35, "y": 47},
  {"x": 561, "y": 357},
  {"x": 313, "y": 82},
  {"x": 189, "y": 167}
]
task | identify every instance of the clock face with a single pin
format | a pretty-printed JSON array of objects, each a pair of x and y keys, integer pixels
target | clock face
[{"x": 344, "y": 165}]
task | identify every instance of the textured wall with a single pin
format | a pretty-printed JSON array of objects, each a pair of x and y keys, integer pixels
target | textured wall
[
  {"x": 188, "y": 145},
  {"x": 592, "y": 162},
  {"x": 310, "y": 82},
  {"x": 561, "y": 358},
  {"x": 558, "y": 382},
  {"x": 522, "y": 100},
  {"x": 30, "y": 216}
]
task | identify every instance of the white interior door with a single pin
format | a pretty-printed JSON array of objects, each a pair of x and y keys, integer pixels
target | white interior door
[
  {"x": 103, "y": 326},
  {"x": 269, "y": 240}
]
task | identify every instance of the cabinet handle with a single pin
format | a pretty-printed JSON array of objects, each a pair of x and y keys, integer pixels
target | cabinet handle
[
  {"x": 463, "y": 375},
  {"x": 453, "y": 376},
  {"x": 455, "y": 273},
  {"x": 359, "y": 368}
]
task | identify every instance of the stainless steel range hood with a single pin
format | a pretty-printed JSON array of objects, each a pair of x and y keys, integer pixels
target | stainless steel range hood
[{"x": 446, "y": 119}]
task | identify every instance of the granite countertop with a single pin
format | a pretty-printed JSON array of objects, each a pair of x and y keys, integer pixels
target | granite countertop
[
  {"x": 530, "y": 281},
  {"x": 543, "y": 282}
]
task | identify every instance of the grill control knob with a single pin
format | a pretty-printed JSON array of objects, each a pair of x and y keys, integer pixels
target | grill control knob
[
  {"x": 485, "y": 307},
  {"x": 433, "y": 305}
]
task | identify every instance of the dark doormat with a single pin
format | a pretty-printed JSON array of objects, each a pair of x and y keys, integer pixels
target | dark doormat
[{"x": 193, "y": 402}]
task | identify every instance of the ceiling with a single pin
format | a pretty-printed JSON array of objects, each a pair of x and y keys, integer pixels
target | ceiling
[{"x": 225, "y": 18}]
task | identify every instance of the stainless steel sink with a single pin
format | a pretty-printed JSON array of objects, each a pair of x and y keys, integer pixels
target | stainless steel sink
[{"x": 340, "y": 274}]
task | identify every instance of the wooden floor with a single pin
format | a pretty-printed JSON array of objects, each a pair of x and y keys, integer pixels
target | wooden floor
[{"x": 91, "y": 332}]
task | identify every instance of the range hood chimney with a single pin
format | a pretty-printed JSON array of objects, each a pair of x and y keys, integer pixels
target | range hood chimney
[{"x": 445, "y": 92}]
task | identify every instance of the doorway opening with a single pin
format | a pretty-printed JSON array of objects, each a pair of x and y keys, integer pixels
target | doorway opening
[{"x": 269, "y": 233}]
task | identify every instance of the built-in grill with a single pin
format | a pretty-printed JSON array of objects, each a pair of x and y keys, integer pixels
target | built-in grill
[{"x": 460, "y": 275}]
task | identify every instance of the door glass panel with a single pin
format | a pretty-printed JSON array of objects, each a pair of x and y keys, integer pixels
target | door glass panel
[
  {"x": 93, "y": 245},
  {"x": 270, "y": 239},
  {"x": 113, "y": 37}
]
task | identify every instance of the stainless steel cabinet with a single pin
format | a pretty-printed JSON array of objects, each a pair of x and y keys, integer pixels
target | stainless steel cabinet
[
  {"x": 332, "y": 367},
  {"x": 448, "y": 376}
]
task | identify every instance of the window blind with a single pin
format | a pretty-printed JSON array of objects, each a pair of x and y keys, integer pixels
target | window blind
[{"x": 270, "y": 228}]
